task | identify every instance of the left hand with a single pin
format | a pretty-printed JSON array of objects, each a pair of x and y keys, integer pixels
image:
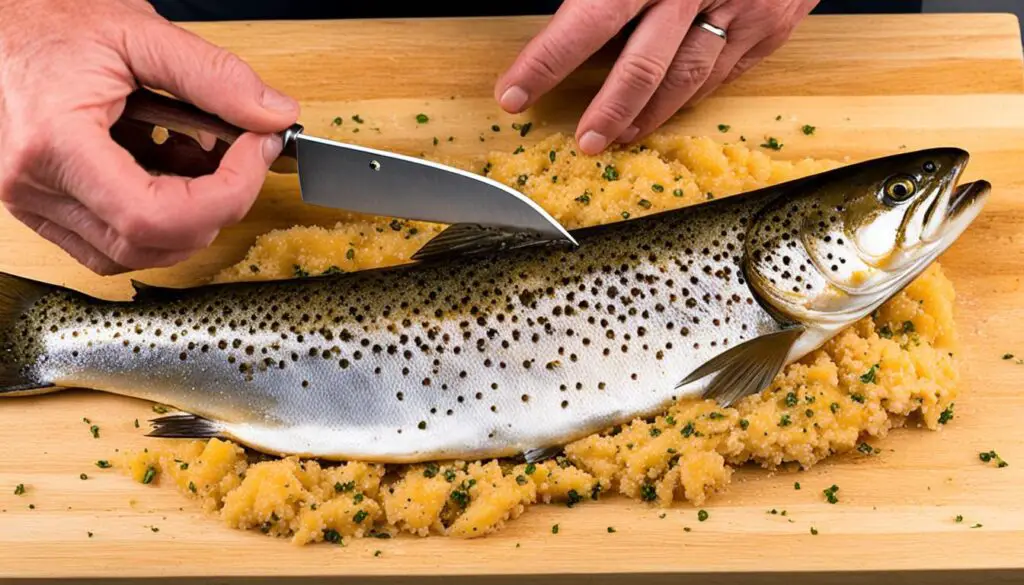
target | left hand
[{"x": 667, "y": 63}]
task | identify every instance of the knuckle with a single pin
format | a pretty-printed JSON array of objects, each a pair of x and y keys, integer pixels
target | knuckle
[
  {"x": 544, "y": 64},
  {"x": 642, "y": 71},
  {"x": 616, "y": 111},
  {"x": 686, "y": 76},
  {"x": 228, "y": 65}
]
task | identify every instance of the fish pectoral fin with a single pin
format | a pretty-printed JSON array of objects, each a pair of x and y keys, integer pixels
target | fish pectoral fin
[
  {"x": 184, "y": 426},
  {"x": 541, "y": 454},
  {"x": 467, "y": 238},
  {"x": 747, "y": 368}
]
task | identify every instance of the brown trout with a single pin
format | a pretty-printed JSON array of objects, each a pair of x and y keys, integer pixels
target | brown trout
[{"x": 478, "y": 351}]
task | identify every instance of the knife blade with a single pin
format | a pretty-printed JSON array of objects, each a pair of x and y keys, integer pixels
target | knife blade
[{"x": 333, "y": 174}]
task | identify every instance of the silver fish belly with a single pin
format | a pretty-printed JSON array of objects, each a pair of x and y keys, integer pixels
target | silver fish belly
[{"x": 466, "y": 358}]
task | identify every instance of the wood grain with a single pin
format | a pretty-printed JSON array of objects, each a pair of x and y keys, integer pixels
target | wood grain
[{"x": 872, "y": 85}]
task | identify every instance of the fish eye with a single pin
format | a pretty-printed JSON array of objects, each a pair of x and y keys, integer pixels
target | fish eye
[
  {"x": 900, "y": 188},
  {"x": 929, "y": 167}
]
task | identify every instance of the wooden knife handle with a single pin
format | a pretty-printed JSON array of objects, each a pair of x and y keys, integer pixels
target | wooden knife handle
[{"x": 179, "y": 152}]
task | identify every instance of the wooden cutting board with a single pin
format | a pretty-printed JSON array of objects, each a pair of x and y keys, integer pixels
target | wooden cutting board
[{"x": 872, "y": 85}]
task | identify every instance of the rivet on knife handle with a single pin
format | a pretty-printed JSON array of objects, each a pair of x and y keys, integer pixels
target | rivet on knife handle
[{"x": 180, "y": 153}]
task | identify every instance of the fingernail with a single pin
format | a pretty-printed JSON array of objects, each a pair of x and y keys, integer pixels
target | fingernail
[
  {"x": 271, "y": 148},
  {"x": 592, "y": 142},
  {"x": 628, "y": 134},
  {"x": 278, "y": 102},
  {"x": 513, "y": 99}
]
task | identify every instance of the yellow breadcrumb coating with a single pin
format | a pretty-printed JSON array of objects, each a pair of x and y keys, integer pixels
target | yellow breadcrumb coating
[{"x": 869, "y": 379}]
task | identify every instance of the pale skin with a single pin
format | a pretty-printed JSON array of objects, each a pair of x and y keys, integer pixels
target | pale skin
[{"x": 63, "y": 176}]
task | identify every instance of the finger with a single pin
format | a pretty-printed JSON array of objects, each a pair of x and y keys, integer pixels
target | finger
[
  {"x": 577, "y": 30},
  {"x": 74, "y": 217},
  {"x": 71, "y": 243},
  {"x": 636, "y": 75},
  {"x": 751, "y": 48},
  {"x": 167, "y": 212},
  {"x": 168, "y": 57},
  {"x": 690, "y": 68}
]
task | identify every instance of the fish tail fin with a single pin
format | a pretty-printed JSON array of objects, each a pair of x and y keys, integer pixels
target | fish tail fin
[
  {"x": 18, "y": 295},
  {"x": 184, "y": 426}
]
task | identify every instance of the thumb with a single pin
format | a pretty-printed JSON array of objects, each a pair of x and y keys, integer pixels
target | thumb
[{"x": 168, "y": 57}]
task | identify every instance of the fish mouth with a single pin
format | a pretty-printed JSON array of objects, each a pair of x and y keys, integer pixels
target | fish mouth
[{"x": 966, "y": 196}]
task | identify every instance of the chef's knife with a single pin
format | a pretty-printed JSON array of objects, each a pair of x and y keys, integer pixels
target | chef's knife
[{"x": 333, "y": 174}]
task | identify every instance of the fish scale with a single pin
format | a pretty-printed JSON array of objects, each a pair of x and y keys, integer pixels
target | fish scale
[{"x": 474, "y": 355}]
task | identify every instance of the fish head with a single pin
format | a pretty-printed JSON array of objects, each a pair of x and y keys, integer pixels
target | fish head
[{"x": 840, "y": 244}]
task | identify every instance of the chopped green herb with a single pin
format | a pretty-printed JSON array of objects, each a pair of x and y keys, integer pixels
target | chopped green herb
[
  {"x": 992, "y": 456},
  {"x": 834, "y": 407},
  {"x": 149, "y": 475},
  {"x": 857, "y": 397},
  {"x": 625, "y": 215},
  {"x": 331, "y": 535},
  {"x": 869, "y": 377},
  {"x": 724, "y": 127},
  {"x": 648, "y": 493},
  {"x": 814, "y": 531},
  {"x": 771, "y": 143},
  {"x": 573, "y": 498},
  {"x": 655, "y": 431},
  {"x": 551, "y": 156},
  {"x": 344, "y": 487},
  {"x": 947, "y": 414},
  {"x": 521, "y": 180},
  {"x": 796, "y": 485},
  {"x": 677, "y": 192},
  {"x": 744, "y": 424},
  {"x": 830, "y": 494},
  {"x": 337, "y": 121},
  {"x": 809, "y": 413},
  {"x": 435, "y": 141},
  {"x": 530, "y": 468},
  {"x": 743, "y": 138},
  {"x": 657, "y": 188},
  {"x": 154, "y": 529},
  {"x": 885, "y": 331},
  {"x": 702, "y": 515},
  {"x": 519, "y": 149},
  {"x": 716, "y": 415},
  {"x": 1007, "y": 356},
  {"x": 584, "y": 199},
  {"x": 521, "y": 479},
  {"x": 183, "y": 466},
  {"x": 959, "y": 518},
  {"x": 90, "y": 534},
  {"x": 808, "y": 129},
  {"x": 908, "y": 327},
  {"x": 377, "y": 553},
  {"x": 610, "y": 173},
  {"x": 611, "y": 529},
  {"x": 360, "y": 516},
  {"x": 687, "y": 429},
  {"x": 460, "y": 497},
  {"x": 785, "y": 421},
  {"x": 103, "y": 464},
  {"x": 449, "y": 475},
  {"x": 779, "y": 117},
  {"x": 495, "y": 128},
  {"x": 83, "y": 476},
  {"x": 431, "y": 470},
  {"x": 644, "y": 203},
  {"x": 422, "y": 119},
  {"x": 299, "y": 273},
  {"x": 192, "y": 487},
  {"x": 525, "y": 129},
  {"x": 95, "y": 430},
  {"x": 976, "y": 526},
  {"x": 19, "y": 489},
  {"x": 791, "y": 399},
  {"x": 866, "y": 448},
  {"x": 670, "y": 420},
  {"x": 686, "y": 528},
  {"x": 86, "y": 420},
  {"x": 357, "y": 119},
  {"x": 358, "y": 498},
  {"x": 487, "y": 168}
]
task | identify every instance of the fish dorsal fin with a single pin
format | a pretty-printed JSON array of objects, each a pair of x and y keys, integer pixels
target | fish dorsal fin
[
  {"x": 149, "y": 291},
  {"x": 462, "y": 239},
  {"x": 747, "y": 368}
]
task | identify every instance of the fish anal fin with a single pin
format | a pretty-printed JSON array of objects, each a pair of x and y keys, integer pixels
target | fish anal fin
[
  {"x": 184, "y": 426},
  {"x": 541, "y": 454},
  {"x": 747, "y": 368},
  {"x": 463, "y": 239}
]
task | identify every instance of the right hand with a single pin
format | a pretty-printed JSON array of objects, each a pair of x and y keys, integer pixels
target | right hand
[{"x": 66, "y": 67}]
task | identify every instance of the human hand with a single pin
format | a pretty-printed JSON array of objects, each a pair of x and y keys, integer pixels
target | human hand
[
  {"x": 666, "y": 64},
  {"x": 65, "y": 70}
]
